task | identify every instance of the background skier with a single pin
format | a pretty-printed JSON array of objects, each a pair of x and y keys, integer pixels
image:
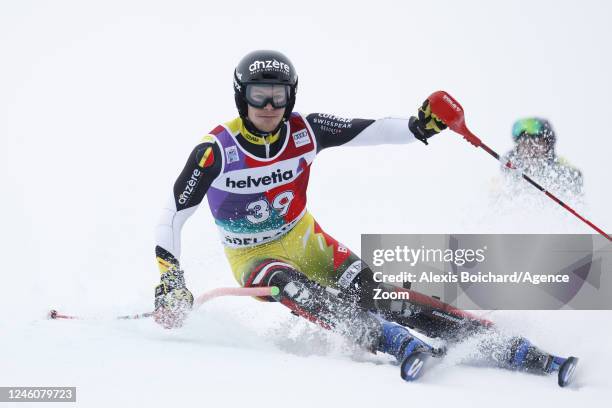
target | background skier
[{"x": 534, "y": 153}]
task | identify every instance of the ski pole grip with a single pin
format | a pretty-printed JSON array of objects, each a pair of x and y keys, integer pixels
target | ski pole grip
[{"x": 449, "y": 111}]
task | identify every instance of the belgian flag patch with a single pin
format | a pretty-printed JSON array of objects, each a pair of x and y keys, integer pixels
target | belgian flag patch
[{"x": 208, "y": 158}]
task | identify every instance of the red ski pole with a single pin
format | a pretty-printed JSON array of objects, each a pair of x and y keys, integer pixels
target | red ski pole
[
  {"x": 450, "y": 112},
  {"x": 204, "y": 297}
]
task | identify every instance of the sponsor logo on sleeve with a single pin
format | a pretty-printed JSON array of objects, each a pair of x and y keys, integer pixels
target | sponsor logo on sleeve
[
  {"x": 332, "y": 124},
  {"x": 190, "y": 187}
]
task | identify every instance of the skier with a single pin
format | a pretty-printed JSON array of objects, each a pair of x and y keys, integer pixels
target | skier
[
  {"x": 534, "y": 154},
  {"x": 254, "y": 171}
]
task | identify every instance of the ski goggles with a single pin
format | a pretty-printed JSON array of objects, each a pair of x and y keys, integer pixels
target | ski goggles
[
  {"x": 259, "y": 95},
  {"x": 532, "y": 127}
]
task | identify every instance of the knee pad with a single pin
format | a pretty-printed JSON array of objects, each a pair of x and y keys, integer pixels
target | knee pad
[{"x": 272, "y": 272}]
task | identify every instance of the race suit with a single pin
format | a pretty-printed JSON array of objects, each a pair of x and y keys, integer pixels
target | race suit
[{"x": 256, "y": 189}]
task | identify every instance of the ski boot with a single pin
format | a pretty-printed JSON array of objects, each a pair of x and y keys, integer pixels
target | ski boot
[
  {"x": 410, "y": 352},
  {"x": 526, "y": 357}
]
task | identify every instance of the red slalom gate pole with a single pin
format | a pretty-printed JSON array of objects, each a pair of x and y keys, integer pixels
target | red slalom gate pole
[
  {"x": 451, "y": 113},
  {"x": 204, "y": 297}
]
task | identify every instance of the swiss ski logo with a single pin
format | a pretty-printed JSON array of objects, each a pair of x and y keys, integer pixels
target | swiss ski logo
[
  {"x": 301, "y": 138},
  {"x": 231, "y": 154}
]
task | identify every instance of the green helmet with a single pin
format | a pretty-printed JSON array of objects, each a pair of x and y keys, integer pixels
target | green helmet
[{"x": 535, "y": 128}]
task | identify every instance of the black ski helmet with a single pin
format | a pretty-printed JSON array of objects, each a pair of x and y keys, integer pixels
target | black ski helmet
[{"x": 264, "y": 67}]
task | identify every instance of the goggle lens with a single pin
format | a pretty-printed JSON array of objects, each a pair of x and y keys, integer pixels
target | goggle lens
[
  {"x": 260, "y": 95},
  {"x": 530, "y": 127}
]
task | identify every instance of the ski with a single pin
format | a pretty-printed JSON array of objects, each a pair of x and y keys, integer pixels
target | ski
[
  {"x": 413, "y": 366},
  {"x": 411, "y": 369},
  {"x": 566, "y": 371}
]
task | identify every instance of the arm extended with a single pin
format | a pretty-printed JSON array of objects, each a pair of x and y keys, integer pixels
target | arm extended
[
  {"x": 172, "y": 298},
  {"x": 331, "y": 130}
]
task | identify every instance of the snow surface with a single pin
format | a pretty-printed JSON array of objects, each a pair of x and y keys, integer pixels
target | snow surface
[{"x": 102, "y": 102}]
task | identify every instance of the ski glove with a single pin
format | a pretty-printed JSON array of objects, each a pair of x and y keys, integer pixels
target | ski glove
[
  {"x": 173, "y": 300},
  {"x": 426, "y": 125}
]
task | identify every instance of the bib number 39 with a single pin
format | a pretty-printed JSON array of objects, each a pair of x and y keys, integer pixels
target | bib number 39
[{"x": 260, "y": 209}]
